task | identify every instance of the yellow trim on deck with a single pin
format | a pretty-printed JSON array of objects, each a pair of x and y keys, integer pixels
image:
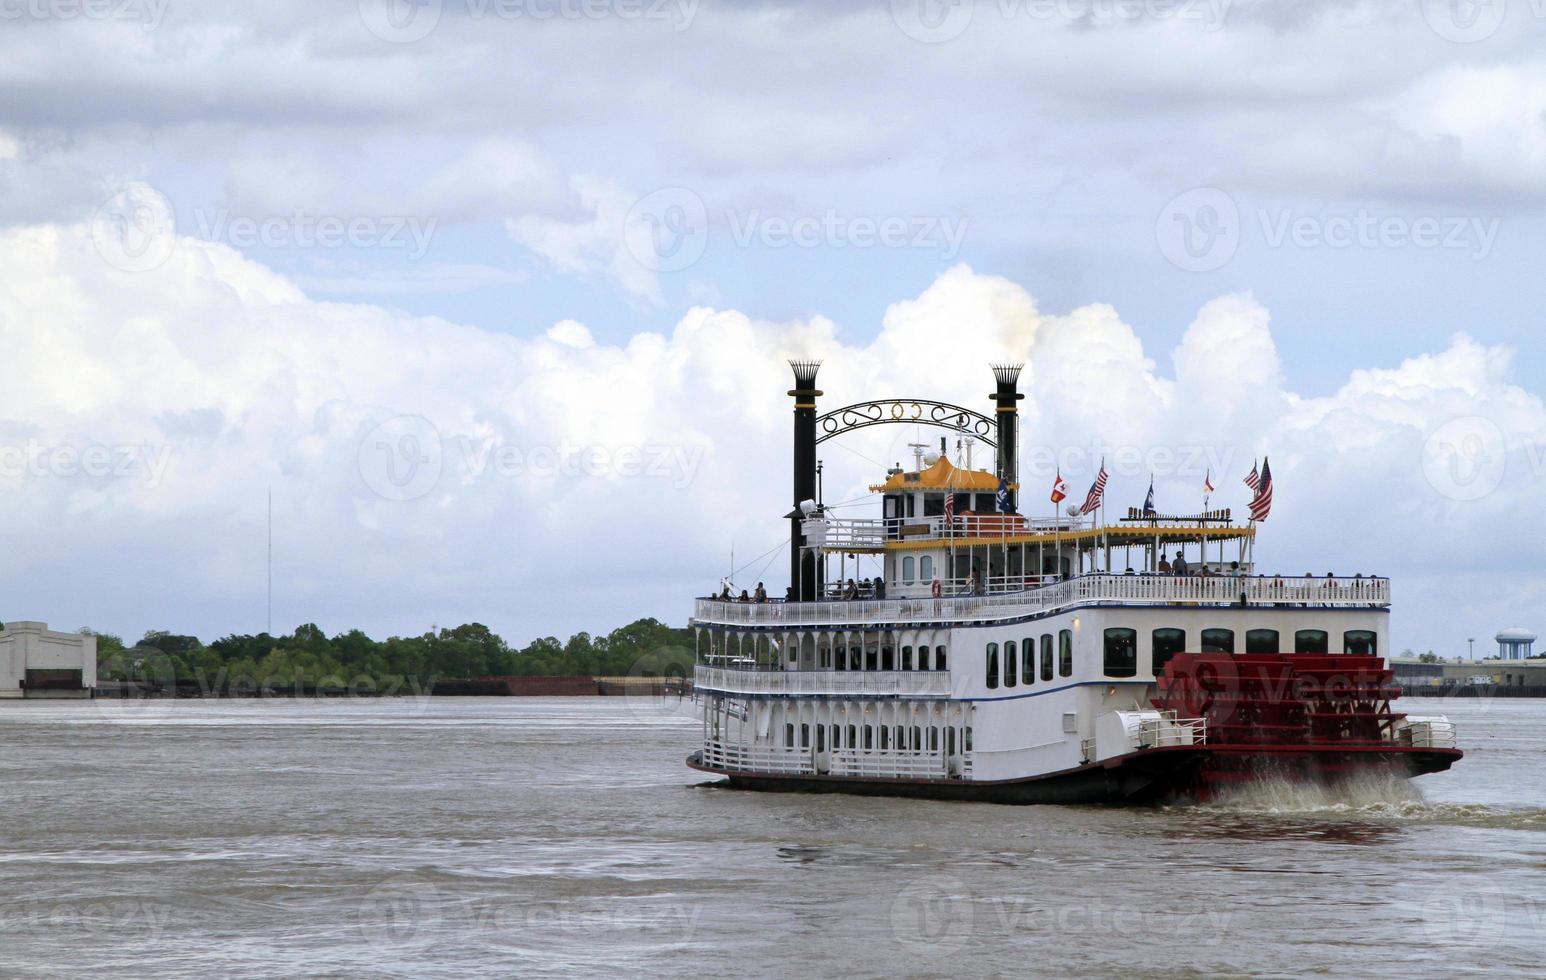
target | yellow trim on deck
[{"x": 1118, "y": 536}]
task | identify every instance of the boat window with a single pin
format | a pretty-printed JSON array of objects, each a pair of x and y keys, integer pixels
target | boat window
[
  {"x": 853, "y": 737},
  {"x": 1046, "y": 656},
  {"x": 1066, "y": 653},
  {"x": 888, "y": 657},
  {"x": 1121, "y": 652},
  {"x": 950, "y": 740},
  {"x": 966, "y": 743},
  {"x": 939, "y": 657},
  {"x": 821, "y": 738},
  {"x": 1028, "y": 659},
  {"x": 869, "y": 737},
  {"x": 907, "y": 569},
  {"x": 885, "y": 737},
  {"x": 926, "y": 568},
  {"x": 933, "y": 739},
  {"x": 789, "y": 734},
  {"x": 1360, "y": 642},
  {"x": 923, "y": 658},
  {"x": 1218, "y": 641},
  {"x": 907, "y": 658},
  {"x": 1261, "y": 641},
  {"x": 805, "y": 736},
  {"x": 1009, "y": 663},
  {"x": 1164, "y": 644},
  {"x": 1310, "y": 641},
  {"x": 992, "y": 666}
]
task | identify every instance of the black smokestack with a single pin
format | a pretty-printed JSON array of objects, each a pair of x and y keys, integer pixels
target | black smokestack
[
  {"x": 804, "y": 569},
  {"x": 1008, "y": 463}
]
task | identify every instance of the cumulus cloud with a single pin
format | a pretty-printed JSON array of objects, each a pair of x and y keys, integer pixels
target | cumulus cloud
[{"x": 425, "y": 471}]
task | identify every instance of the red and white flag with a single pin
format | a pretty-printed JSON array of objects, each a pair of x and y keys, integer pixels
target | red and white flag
[
  {"x": 1251, "y": 479},
  {"x": 1059, "y": 488},
  {"x": 1261, "y": 505},
  {"x": 1207, "y": 482}
]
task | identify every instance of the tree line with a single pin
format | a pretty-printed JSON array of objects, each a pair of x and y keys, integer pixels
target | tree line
[{"x": 309, "y": 659}]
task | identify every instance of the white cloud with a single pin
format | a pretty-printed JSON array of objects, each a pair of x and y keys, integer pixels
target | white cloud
[{"x": 584, "y": 482}]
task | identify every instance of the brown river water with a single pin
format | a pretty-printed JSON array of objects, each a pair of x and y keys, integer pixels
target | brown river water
[{"x": 546, "y": 837}]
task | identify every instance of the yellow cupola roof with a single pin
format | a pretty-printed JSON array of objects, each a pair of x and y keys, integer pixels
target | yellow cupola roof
[{"x": 943, "y": 475}]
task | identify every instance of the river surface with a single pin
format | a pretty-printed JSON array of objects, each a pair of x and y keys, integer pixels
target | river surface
[{"x": 505, "y": 836}]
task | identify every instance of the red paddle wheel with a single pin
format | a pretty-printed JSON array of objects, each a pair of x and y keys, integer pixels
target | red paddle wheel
[{"x": 1292, "y": 715}]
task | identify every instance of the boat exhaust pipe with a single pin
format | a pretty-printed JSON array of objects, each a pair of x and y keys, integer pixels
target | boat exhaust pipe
[
  {"x": 804, "y": 569},
  {"x": 1008, "y": 416}
]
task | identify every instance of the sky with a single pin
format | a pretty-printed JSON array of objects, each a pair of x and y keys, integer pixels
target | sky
[{"x": 492, "y": 298}]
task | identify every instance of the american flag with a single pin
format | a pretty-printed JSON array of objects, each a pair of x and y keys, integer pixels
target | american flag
[
  {"x": 1261, "y": 504},
  {"x": 950, "y": 509},
  {"x": 1251, "y": 479},
  {"x": 1092, "y": 500}
]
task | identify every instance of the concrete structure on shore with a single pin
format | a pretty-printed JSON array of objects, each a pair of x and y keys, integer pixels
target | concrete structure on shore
[
  {"x": 1515, "y": 643},
  {"x": 37, "y": 662},
  {"x": 1497, "y": 673}
]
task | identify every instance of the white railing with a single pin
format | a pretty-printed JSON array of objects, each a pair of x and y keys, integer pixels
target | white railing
[
  {"x": 1168, "y": 731},
  {"x": 911, "y": 683},
  {"x": 835, "y": 534},
  {"x": 840, "y": 762},
  {"x": 1083, "y": 591},
  {"x": 1433, "y": 732}
]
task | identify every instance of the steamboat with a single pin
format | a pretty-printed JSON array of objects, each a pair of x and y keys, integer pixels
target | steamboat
[{"x": 999, "y": 657}]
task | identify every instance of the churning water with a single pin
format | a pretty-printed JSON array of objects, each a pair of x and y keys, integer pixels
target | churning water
[{"x": 557, "y": 836}]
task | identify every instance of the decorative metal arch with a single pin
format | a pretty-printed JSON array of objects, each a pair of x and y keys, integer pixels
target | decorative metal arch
[{"x": 903, "y": 411}]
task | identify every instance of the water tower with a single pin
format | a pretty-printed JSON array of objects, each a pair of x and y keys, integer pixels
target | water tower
[{"x": 1514, "y": 644}]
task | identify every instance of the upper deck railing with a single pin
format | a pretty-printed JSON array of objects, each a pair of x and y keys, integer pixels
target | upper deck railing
[
  {"x": 838, "y": 534},
  {"x": 1086, "y": 590}
]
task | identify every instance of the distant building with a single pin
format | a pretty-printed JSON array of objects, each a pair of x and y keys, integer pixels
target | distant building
[
  {"x": 1514, "y": 644},
  {"x": 37, "y": 662}
]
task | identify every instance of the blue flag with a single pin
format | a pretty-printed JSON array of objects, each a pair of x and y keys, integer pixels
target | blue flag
[
  {"x": 1148, "y": 502},
  {"x": 1001, "y": 499}
]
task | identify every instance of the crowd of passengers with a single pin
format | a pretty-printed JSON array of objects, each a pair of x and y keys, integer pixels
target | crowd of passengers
[{"x": 875, "y": 588}]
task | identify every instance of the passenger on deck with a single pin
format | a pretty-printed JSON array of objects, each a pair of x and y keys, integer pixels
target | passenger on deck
[
  {"x": 851, "y": 591},
  {"x": 1164, "y": 565},
  {"x": 971, "y": 583},
  {"x": 761, "y": 595},
  {"x": 880, "y": 588},
  {"x": 724, "y": 593},
  {"x": 744, "y": 597},
  {"x": 1178, "y": 566},
  {"x": 935, "y": 589}
]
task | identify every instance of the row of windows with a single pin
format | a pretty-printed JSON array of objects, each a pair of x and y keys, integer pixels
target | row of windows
[
  {"x": 1021, "y": 669},
  {"x": 882, "y": 658},
  {"x": 1121, "y": 645},
  {"x": 925, "y": 569},
  {"x": 885, "y": 738}
]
